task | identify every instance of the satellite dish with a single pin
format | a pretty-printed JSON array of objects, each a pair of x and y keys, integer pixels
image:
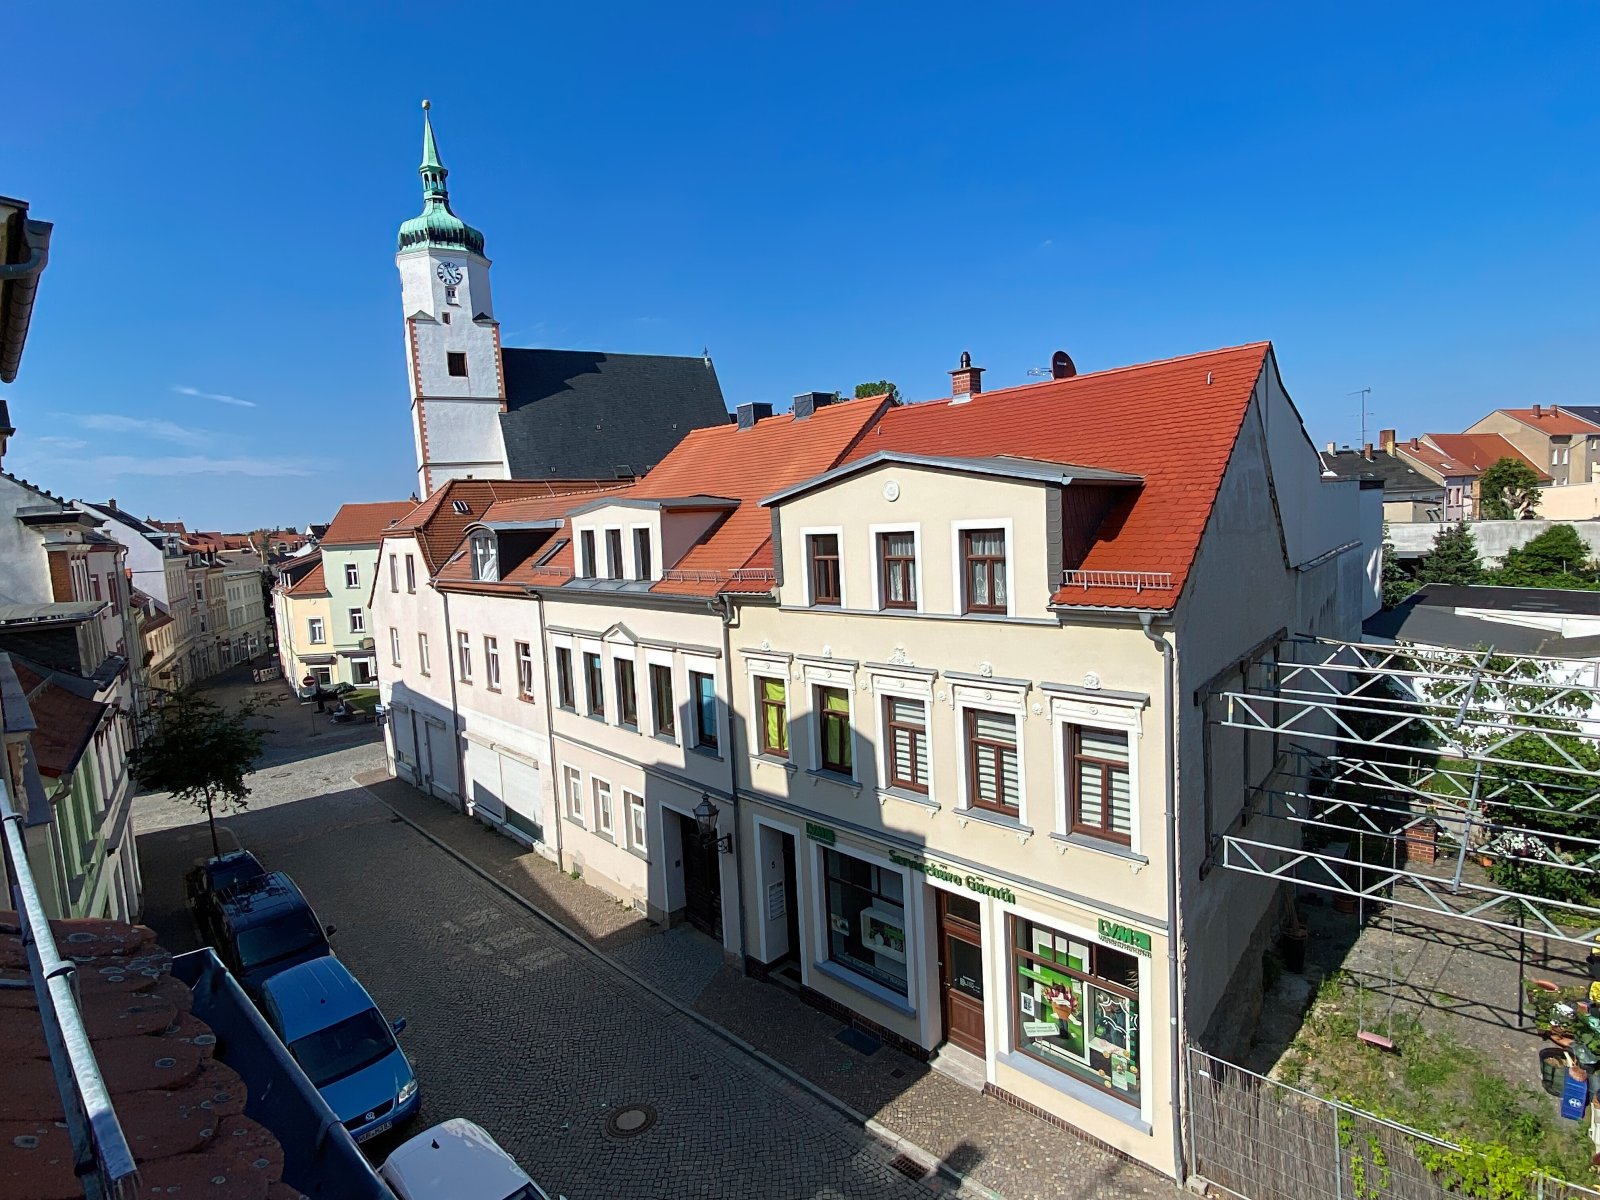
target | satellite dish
[{"x": 1062, "y": 366}]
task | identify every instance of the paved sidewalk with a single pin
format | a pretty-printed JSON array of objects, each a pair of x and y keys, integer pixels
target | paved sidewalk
[{"x": 987, "y": 1142}]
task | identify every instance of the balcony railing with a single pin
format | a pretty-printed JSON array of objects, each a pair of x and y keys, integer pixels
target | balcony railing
[{"x": 1133, "y": 581}]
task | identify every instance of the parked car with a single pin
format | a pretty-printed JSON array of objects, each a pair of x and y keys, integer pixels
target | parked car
[
  {"x": 456, "y": 1160},
  {"x": 210, "y": 879},
  {"x": 343, "y": 1044},
  {"x": 262, "y": 926}
]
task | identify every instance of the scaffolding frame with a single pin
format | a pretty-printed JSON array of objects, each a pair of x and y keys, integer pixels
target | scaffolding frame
[{"x": 1400, "y": 744}]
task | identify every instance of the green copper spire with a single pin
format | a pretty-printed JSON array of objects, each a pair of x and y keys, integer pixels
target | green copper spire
[{"x": 437, "y": 226}]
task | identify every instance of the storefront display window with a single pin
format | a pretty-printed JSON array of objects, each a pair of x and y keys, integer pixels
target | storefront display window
[
  {"x": 1077, "y": 1007},
  {"x": 866, "y": 919}
]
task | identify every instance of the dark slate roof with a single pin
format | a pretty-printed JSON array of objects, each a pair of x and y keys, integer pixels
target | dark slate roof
[
  {"x": 1431, "y": 617},
  {"x": 1395, "y": 473},
  {"x": 1568, "y": 602},
  {"x": 582, "y": 414},
  {"x": 1589, "y": 412}
]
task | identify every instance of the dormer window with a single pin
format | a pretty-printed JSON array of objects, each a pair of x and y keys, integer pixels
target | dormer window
[
  {"x": 613, "y": 554},
  {"x": 641, "y": 554},
  {"x": 586, "y": 553},
  {"x": 485, "y": 558}
]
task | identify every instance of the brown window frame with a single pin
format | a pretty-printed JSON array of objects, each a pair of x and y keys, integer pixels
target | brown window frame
[
  {"x": 975, "y": 746},
  {"x": 889, "y": 564},
  {"x": 891, "y": 727},
  {"x": 627, "y": 692},
  {"x": 663, "y": 703},
  {"x": 764, "y": 705},
  {"x": 642, "y": 565},
  {"x": 454, "y": 359},
  {"x": 825, "y": 715},
  {"x": 815, "y": 561},
  {"x": 995, "y": 568},
  {"x": 613, "y": 554},
  {"x": 587, "y": 565},
  {"x": 594, "y": 683},
  {"x": 566, "y": 694},
  {"x": 1075, "y": 758}
]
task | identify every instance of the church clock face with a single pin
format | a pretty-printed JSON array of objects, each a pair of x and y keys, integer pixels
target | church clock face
[{"x": 449, "y": 273}]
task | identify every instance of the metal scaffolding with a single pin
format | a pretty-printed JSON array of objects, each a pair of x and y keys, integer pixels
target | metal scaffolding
[{"x": 1378, "y": 750}]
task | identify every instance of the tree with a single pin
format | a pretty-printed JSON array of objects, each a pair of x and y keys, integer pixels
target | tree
[
  {"x": 1453, "y": 559},
  {"x": 1508, "y": 491},
  {"x": 881, "y": 388},
  {"x": 1558, "y": 557},
  {"x": 1398, "y": 583},
  {"x": 199, "y": 751}
]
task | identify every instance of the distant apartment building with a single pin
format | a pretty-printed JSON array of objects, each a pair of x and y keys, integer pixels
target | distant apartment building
[{"x": 1560, "y": 441}]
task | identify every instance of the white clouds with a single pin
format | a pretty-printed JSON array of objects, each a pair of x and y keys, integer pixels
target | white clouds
[
  {"x": 167, "y": 431},
  {"x": 219, "y": 397},
  {"x": 194, "y": 464},
  {"x": 60, "y": 443}
]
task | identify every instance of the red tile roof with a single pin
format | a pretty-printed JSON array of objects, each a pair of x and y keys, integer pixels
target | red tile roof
[
  {"x": 438, "y": 526},
  {"x": 312, "y": 583},
  {"x": 1474, "y": 453},
  {"x": 65, "y": 721},
  {"x": 1552, "y": 419},
  {"x": 1173, "y": 422},
  {"x": 364, "y": 524}
]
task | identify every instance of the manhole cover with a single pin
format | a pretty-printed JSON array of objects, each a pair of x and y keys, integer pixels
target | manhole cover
[{"x": 630, "y": 1120}]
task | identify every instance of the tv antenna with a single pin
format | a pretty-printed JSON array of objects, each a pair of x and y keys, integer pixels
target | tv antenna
[{"x": 1363, "y": 393}]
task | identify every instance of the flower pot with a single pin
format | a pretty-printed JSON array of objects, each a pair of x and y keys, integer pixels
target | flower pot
[
  {"x": 1292, "y": 948},
  {"x": 1563, "y": 1040},
  {"x": 1344, "y": 902},
  {"x": 1485, "y": 861}
]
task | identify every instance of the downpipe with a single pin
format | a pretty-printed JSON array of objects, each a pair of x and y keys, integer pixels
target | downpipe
[
  {"x": 549, "y": 727},
  {"x": 724, "y": 608}
]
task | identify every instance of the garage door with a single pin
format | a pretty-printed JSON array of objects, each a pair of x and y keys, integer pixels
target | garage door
[
  {"x": 483, "y": 769},
  {"x": 442, "y": 760},
  {"x": 524, "y": 806},
  {"x": 405, "y": 743}
]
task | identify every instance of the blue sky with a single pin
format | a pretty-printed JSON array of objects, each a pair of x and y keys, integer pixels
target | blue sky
[{"x": 1401, "y": 197}]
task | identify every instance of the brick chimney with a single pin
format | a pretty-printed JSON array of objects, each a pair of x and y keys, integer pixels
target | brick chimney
[
  {"x": 1366, "y": 451},
  {"x": 1537, "y": 413},
  {"x": 966, "y": 380},
  {"x": 1386, "y": 440}
]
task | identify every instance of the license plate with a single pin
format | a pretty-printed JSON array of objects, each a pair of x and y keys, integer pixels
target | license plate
[{"x": 381, "y": 1127}]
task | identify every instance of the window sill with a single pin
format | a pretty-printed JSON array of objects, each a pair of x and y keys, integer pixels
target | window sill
[
  {"x": 526, "y": 699},
  {"x": 489, "y": 687},
  {"x": 598, "y": 718},
  {"x": 1101, "y": 846},
  {"x": 994, "y": 818},
  {"x": 706, "y": 752},
  {"x": 1060, "y": 1081},
  {"x": 567, "y": 708},
  {"x": 641, "y": 855},
  {"x": 572, "y": 820},
  {"x": 773, "y": 760},
  {"x": 835, "y": 777},
  {"x": 668, "y": 739},
  {"x": 630, "y": 726},
  {"x": 910, "y": 797},
  {"x": 866, "y": 987}
]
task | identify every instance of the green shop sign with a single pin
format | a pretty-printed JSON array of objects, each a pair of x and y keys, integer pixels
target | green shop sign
[
  {"x": 820, "y": 833},
  {"x": 973, "y": 883},
  {"x": 1121, "y": 935}
]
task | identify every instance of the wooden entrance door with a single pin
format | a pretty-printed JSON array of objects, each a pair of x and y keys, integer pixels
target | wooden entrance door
[
  {"x": 702, "y": 881},
  {"x": 961, "y": 971}
]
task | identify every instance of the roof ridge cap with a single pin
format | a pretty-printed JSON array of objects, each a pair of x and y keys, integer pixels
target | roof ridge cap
[{"x": 1265, "y": 344}]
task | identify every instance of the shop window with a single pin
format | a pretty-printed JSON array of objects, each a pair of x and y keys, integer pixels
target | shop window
[
  {"x": 866, "y": 919},
  {"x": 627, "y": 694},
  {"x": 703, "y": 690},
  {"x": 1102, "y": 799},
  {"x": 833, "y": 730},
  {"x": 983, "y": 557},
  {"x": 906, "y": 730},
  {"x": 897, "y": 569},
  {"x": 774, "y": 695},
  {"x": 822, "y": 551},
  {"x": 564, "y": 693},
  {"x": 1077, "y": 1007},
  {"x": 594, "y": 685},
  {"x": 992, "y": 779}
]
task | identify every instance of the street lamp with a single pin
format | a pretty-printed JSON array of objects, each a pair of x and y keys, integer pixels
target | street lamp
[{"x": 705, "y": 816}]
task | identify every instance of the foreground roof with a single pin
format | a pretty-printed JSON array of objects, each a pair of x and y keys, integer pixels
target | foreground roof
[
  {"x": 65, "y": 721},
  {"x": 363, "y": 524}
]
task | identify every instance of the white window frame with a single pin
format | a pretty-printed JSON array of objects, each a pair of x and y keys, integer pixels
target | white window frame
[
  {"x": 572, "y": 795},
  {"x": 591, "y": 533},
  {"x": 485, "y": 557},
  {"x": 411, "y": 573},
  {"x": 605, "y": 812},
  {"x": 915, "y": 530},
  {"x": 491, "y": 661},
  {"x": 358, "y": 620},
  {"x": 423, "y": 663},
  {"x": 316, "y": 631},
  {"x": 581, "y": 682},
  {"x": 806, "y": 534},
  {"x": 665, "y": 658},
  {"x": 638, "y": 832},
  {"x": 989, "y": 698},
  {"x": 958, "y": 571},
  {"x": 622, "y": 551},
  {"x": 911, "y": 903},
  {"x": 464, "y": 655},
  {"x": 757, "y": 670},
  {"x": 631, "y": 550},
  {"x": 817, "y": 675},
  {"x": 707, "y": 667},
  {"x": 352, "y": 575},
  {"x": 394, "y": 644},
  {"x": 1113, "y": 716},
  {"x": 524, "y": 652},
  {"x": 394, "y": 572},
  {"x": 904, "y": 687}
]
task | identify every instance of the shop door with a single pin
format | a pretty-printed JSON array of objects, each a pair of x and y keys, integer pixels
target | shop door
[
  {"x": 702, "y": 881},
  {"x": 961, "y": 971}
]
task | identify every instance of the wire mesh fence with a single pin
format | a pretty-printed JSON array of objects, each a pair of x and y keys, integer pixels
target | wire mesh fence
[{"x": 1264, "y": 1140}]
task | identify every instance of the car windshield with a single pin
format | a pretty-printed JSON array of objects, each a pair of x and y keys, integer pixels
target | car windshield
[
  {"x": 290, "y": 934},
  {"x": 330, "y": 1054}
]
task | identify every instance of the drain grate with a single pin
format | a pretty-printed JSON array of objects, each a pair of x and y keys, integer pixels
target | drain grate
[
  {"x": 908, "y": 1166},
  {"x": 630, "y": 1120}
]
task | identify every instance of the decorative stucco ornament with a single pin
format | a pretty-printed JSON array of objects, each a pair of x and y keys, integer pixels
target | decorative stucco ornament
[
  {"x": 766, "y": 643},
  {"x": 1091, "y": 680},
  {"x": 898, "y": 656},
  {"x": 827, "y": 652},
  {"x": 1038, "y": 709},
  {"x": 986, "y": 669},
  {"x": 891, "y": 490}
]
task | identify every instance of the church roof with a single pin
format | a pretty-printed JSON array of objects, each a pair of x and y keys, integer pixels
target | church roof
[{"x": 586, "y": 414}]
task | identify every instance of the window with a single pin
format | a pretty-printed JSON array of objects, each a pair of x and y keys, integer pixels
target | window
[
  {"x": 897, "y": 569},
  {"x": 602, "y": 808},
  {"x": 662, "y": 705},
  {"x": 594, "y": 694},
  {"x": 983, "y": 570},
  {"x": 833, "y": 722},
  {"x": 1101, "y": 799},
  {"x": 358, "y": 620},
  {"x": 633, "y": 805},
  {"x": 394, "y": 645},
  {"x": 586, "y": 554},
  {"x": 772, "y": 697},
  {"x": 524, "y": 671},
  {"x": 574, "y": 790},
  {"x": 822, "y": 555},
  {"x": 992, "y": 761},
  {"x": 906, "y": 737},
  {"x": 323, "y": 675},
  {"x": 199, "y": 592},
  {"x": 352, "y": 575},
  {"x": 485, "y": 557},
  {"x": 94, "y": 587},
  {"x": 464, "y": 655},
  {"x": 422, "y": 653},
  {"x": 866, "y": 919},
  {"x": 703, "y": 689},
  {"x": 411, "y": 573},
  {"x": 1077, "y": 1007},
  {"x": 613, "y": 554},
  {"x": 456, "y": 363},
  {"x": 627, "y": 694},
  {"x": 564, "y": 694},
  {"x": 491, "y": 663},
  {"x": 641, "y": 554},
  {"x": 315, "y": 631},
  {"x": 394, "y": 573},
  {"x": 449, "y": 298}
]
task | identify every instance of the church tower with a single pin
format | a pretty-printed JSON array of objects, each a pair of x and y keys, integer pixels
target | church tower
[{"x": 452, "y": 338}]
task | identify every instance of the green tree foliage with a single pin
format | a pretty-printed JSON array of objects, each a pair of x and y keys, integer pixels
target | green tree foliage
[
  {"x": 199, "y": 751},
  {"x": 881, "y": 388},
  {"x": 1509, "y": 491},
  {"x": 1453, "y": 559},
  {"x": 1398, "y": 583},
  {"x": 1557, "y": 558}
]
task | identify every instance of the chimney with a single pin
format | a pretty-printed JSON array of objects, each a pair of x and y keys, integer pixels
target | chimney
[
  {"x": 1536, "y": 413},
  {"x": 1555, "y": 410},
  {"x": 746, "y": 415},
  {"x": 807, "y": 403},
  {"x": 1386, "y": 440},
  {"x": 1366, "y": 451},
  {"x": 966, "y": 380},
  {"x": 1331, "y": 448},
  {"x": 1416, "y": 443}
]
